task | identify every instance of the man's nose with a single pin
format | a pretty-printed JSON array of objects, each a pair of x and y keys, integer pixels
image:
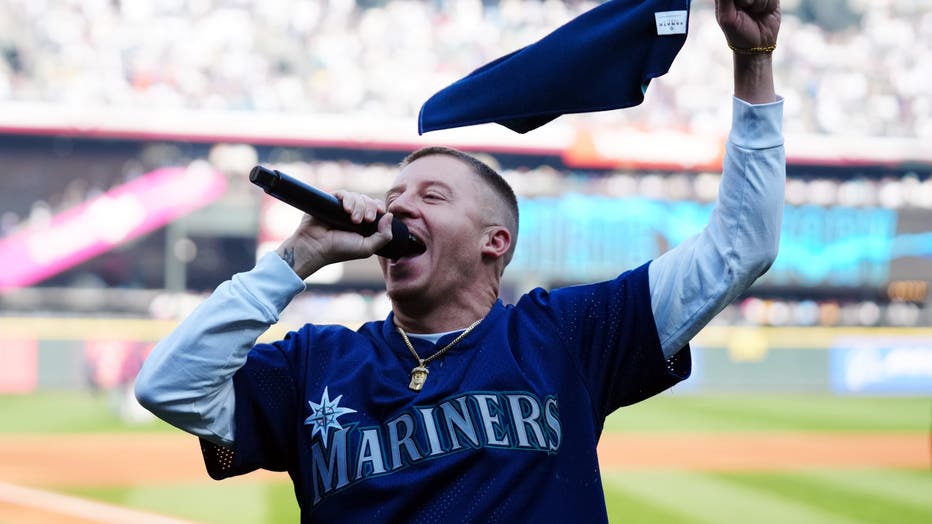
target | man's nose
[{"x": 402, "y": 205}]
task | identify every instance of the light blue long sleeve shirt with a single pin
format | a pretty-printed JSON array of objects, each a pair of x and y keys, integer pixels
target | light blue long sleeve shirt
[{"x": 187, "y": 380}]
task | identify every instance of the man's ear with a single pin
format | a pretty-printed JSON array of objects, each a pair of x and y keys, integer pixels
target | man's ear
[{"x": 497, "y": 242}]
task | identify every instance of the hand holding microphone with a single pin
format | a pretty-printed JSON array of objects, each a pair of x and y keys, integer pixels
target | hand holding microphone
[{"x": 328, "y": 209}]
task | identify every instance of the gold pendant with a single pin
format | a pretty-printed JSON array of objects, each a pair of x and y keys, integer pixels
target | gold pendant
[{"x": 418, "y": 377}]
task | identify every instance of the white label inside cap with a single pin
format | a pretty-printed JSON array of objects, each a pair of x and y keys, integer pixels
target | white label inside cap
[{"x": 671, "y": 22}]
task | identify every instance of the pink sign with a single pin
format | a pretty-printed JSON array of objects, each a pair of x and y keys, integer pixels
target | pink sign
[{"x": 125, "y": 212}]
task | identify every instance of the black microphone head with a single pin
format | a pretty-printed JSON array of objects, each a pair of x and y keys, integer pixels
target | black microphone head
[
  {"x": 263, "y": 177},
  {"x": 402, "y": 244}
]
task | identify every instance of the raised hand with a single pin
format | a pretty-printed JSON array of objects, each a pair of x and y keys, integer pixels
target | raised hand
[
  {"x": 749, "y": 24},
  {"x": 751, "y": 28}
]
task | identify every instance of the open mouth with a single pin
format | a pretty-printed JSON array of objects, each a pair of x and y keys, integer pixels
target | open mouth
[
  {"x": 409, "y": 245},
  {"x": 415, "y": 247}
]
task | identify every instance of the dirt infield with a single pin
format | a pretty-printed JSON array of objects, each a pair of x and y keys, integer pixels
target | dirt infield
[
  {"x": 103, "y": 460},
  {"x": 127, "y": 459},
  {"x": 765, "y": 451}
]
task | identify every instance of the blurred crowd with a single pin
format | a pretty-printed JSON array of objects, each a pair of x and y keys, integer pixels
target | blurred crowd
[
  {"x": 850, "y": 67},
  {"x": 911, "y": 190},
  {"x": 845, "y": 66}
]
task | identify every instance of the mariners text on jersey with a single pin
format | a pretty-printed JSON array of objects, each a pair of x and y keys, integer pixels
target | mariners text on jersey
[{"x": 518, "y": 421}]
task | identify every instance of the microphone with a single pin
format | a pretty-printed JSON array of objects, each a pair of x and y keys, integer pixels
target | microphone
[{"x": 327, "y": 208}]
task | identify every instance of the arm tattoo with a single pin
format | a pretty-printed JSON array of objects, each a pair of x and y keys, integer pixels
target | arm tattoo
[{"x": 288, "y": 256}]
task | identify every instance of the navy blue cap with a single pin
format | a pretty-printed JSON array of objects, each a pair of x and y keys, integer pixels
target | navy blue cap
[{"x": 603, "y": 59}]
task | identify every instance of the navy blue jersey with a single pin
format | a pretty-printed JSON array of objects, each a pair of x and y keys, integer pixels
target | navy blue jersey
[{"x": 504, "y": 430}]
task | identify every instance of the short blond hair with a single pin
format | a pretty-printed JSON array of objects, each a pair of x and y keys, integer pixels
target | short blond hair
[{"x": 494, "y": 181}]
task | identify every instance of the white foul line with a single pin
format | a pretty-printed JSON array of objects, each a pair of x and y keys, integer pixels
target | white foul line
[{"x": 49, "y": 502}]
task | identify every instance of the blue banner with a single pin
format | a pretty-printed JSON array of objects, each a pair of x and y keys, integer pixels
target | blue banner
[
  {"x": 874, "y": 365},
  {"x": 587, "y": 237}
]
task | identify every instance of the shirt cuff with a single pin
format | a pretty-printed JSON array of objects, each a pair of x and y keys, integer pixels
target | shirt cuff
[
  {"x": 273, "y": 282},
  {"x": 757, "y": 126}
]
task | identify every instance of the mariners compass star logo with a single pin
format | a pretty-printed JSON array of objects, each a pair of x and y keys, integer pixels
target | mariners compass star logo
[{"x": 325, "y": 414}]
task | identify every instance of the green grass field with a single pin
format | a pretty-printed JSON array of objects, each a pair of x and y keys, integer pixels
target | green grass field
[
  {"x": 810, "y": 497},
  {"x": 823, "y": 496}
]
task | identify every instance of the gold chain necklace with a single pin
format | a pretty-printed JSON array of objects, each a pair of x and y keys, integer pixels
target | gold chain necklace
[{"x": 419, "y": 373}]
